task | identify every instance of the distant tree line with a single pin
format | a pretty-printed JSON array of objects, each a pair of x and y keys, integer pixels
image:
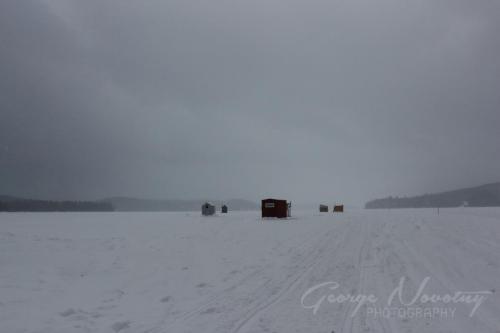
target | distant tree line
[
  {"x": 481, "y": 196},
  {"x": 29, "y": 205},
  {"x": 424, "y": 201}
]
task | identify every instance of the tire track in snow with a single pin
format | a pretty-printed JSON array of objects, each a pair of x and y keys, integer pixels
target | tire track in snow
[
  {"x": 262, "y": 290},
  {"x": 291, "y": 283},
  {"x": 348, "y": 321}
]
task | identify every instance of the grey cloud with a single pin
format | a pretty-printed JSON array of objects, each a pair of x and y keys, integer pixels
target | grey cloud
[{"x": 342, "y": 100}]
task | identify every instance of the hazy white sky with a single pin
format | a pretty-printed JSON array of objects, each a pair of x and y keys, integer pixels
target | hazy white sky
[{"x": 306, "y": 100}]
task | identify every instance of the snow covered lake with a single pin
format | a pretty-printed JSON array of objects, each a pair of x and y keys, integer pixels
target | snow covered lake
[{"x": 181, "y": 272}]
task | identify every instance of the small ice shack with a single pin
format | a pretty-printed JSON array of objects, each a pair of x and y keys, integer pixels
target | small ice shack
[
  {"x": 276, "y": 208},
  {"x": 338, "y": 208},
  {"x": 323, "y": 208},
  {"x": 223, "y": 209},
  {"x": 207, "y": 209}
]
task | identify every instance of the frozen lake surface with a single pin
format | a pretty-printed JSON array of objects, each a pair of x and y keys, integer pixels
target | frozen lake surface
[{"x": 181, "y": 272}]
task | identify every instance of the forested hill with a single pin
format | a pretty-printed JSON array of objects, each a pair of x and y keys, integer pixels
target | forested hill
[
  {"x": 12, "y": 204},
  {"x": 481, "y": 196},
  {"x": 16, "y": 204},
  {"x": 136, "y": 204}
]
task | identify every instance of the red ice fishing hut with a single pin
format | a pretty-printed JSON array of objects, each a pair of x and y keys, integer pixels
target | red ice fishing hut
[{"x": 276, "y": 208}]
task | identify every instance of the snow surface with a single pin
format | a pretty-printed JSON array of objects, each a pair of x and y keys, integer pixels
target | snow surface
[{"x": 181, "y": 272}]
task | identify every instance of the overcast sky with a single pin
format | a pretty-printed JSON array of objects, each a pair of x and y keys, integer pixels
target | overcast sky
[{"x": 305, "y": 100}]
